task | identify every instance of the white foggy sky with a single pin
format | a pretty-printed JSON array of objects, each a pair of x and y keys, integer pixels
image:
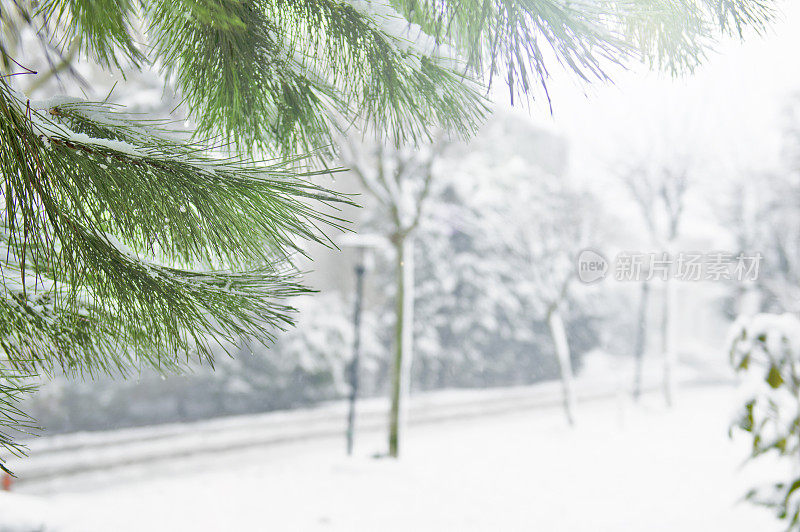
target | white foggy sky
[
  {"x": 727, "y": 116},
  {"x": 730, "y": 107}
]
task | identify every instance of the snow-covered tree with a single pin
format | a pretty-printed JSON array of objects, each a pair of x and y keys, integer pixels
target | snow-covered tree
[
  {"x": 401, "y": 183},
  {"x": 544, "y": 224},
  {"x": 760, "y": 212},
  {"x": 471, "y": 325},
  {"x": 658, "y": 188},
  {"x": 767, "y": 208},
  {"x": 311, "y": 357},
  {"x": 470, "y": 328}
]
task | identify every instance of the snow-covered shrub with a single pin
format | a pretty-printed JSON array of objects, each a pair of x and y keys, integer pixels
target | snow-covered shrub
[
  {"x": 766, "y": 349},
  {"x": 313, "y": 356},
  {"x": 304, "y": 366}
]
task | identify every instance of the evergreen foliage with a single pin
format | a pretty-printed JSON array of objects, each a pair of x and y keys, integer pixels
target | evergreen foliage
[{"x": 205, "y": 241}]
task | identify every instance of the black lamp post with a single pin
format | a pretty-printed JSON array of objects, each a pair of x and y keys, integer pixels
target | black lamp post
[
  {"x": 362, "y": 244},
  {"x": 353, "y": 366}
]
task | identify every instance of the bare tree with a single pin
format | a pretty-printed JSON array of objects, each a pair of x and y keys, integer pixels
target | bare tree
[
  {"x": 744, "y": 211},
  {"x": 399, "y": 180},
  {"x": 641, "y": 338},
  {"x": 659, "y": 191}
]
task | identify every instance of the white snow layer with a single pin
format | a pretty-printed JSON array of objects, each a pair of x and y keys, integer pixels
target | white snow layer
[{"x": 623, "y": 468}]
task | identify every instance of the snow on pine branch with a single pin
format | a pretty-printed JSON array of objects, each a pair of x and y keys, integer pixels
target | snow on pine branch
[
  {"x": 123, "y": 168},
  {"x": 85, "y": 201},
  {"x": 144, "y": 140},
  {"x": 407, "y": 36}
]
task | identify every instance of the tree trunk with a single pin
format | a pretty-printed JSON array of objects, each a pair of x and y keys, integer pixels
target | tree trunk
[
  {"x": 559, "y": 334},
  {"x": 641, "y": 340},
  {"x": 404, "y": 337},
  {"x": 667, "y": 342},
  {"x": 748, "y": 301}
]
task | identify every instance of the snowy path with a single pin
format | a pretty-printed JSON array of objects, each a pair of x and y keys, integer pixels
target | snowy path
[
  {"x": 59, "y": 456},
  {"x": 623, "y": 468}
]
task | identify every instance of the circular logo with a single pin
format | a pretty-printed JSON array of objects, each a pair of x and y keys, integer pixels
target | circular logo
[{"x": 592, "y": 266}]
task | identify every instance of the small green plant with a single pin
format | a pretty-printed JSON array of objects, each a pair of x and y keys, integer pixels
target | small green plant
[{"x": 766, "y": 350}]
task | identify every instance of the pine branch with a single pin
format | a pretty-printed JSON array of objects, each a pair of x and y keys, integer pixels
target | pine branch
[
  {"x": 520, "y": 39},
  {"x": 735, "y": 16},
  {"x": 161, "y": 195},
  {"x": 125, "y": 247},
  {"x": 395, "y": 78},
  {"x": 274, "y": 73},
  {"x": 101, "y": 28},
  {"x": 278, "y": 71},
  {"x": 13, "y": 421}
]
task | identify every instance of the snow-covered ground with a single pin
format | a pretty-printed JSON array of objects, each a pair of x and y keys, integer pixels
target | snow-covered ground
[
  {"x": 623, "y": 468},
  {"x": 66, "y": 455}
]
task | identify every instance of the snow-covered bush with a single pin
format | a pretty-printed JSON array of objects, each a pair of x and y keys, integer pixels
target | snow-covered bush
[
  {"x": 766, "y": 349},
  {"x": 304, "y": 366},
  {"x": 312, "y": 357}
]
